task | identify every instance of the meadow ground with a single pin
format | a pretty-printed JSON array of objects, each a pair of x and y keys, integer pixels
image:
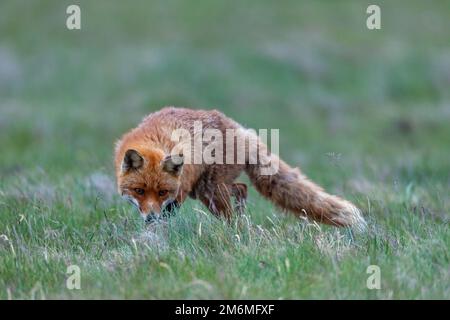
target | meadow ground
[{"x": 364, "y": 113}]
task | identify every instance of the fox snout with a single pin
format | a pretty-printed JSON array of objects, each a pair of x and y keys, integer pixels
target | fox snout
[
  {"x": 168, "y": 209},
  {"x": 147, "y": 210},
  {"x": 150, "y": 217}
]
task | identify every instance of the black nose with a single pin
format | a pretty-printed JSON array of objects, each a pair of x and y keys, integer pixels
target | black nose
[{"x": 150, "y": 218}]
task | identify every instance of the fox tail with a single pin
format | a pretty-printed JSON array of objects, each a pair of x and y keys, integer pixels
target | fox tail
[{"x": 289, "y": 189}]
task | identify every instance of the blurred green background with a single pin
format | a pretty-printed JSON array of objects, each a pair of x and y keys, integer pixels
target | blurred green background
[
  {"x": 310, "y": 68},
  {"x": 364, "y": 113}
]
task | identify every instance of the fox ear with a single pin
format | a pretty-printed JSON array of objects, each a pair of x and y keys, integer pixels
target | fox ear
[
  {"x": 132, "y": 160},
  {"x": 173, "y": 164}
]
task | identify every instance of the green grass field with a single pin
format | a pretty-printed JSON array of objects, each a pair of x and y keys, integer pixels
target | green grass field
[{"x": 364, "y": 113}]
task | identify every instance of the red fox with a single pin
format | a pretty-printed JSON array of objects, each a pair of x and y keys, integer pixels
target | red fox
[{"x": 153, "y": 179}]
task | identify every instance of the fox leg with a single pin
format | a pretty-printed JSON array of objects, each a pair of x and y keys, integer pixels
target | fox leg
[
  {"x": 171, "y": 208},
  {"x": 182, "y": 195},
  {"x": 239, "y": 192},
  {"x": 219, "y": 201}
]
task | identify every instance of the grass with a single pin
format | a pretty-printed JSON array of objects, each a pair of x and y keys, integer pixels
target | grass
[{"x": 364, "y": 113}]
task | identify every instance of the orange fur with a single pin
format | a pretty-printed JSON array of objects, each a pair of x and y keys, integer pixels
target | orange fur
[{"x": 214, "y": 184}]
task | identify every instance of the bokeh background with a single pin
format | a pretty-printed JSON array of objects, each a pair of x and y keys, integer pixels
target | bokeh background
[{"x": 364, "y": 113}]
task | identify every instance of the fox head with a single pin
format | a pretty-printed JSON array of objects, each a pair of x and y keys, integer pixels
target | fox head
[{"x": 149, "y": 179}]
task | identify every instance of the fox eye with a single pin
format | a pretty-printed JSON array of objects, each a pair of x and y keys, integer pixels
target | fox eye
[
  {"x": 162, "y": 193},
  {"x": 139, "y": 191}
]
